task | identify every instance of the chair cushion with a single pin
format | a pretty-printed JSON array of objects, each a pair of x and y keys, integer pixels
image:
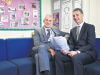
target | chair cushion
[
  {"x": 3, "y": 52},
  {"x": 68, "y": 68},
  {"x": 93, "y": 69},
  {"x": 7, "y": 68},
  {"x": 19, "y": 48},
  {"x": 25, "y": 66},
  {"x": 98, "y": 47}
]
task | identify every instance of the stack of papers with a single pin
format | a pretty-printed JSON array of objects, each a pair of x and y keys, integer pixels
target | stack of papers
[{"x": 59, "y": 43}]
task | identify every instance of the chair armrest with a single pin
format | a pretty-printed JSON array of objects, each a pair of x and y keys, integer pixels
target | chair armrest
[
  {"x": 35, "y": 49},
  {"x": 66, "y": 36}
]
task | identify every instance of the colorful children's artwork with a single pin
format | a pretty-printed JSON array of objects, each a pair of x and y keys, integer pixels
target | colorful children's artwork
[
  {"x": 13, "y": 24},
  {"x": 12, "y": 16},
  {"x": 26, "y": 14},
  {"x": 4, "y": 18},
  {"x": 19, "y": 14},
  {"x": 1, "y": 23},
  {"x": 24, "y": 21},
  {"x": 8, "y": 2},
  {"x": 35, "y": 13},
  {"x": 21, "y": 7},
  {"x": 11, "y": 9},
  {"x": 1, "y": 9}
]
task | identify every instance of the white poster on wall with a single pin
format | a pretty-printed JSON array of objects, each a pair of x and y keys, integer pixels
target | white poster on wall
[
  {"x": 77, "y": 3},
  {"x": 67, "y": 7},
  {"x": 57, "y": 5},
  {"x": 66, "y": 15}
]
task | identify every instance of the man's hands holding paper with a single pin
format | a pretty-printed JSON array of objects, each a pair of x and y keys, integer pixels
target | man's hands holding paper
[
  {"x": 60, "y": 43},
  {"x": 70, "y": 53},
  {"x": 65, "y": 52}
]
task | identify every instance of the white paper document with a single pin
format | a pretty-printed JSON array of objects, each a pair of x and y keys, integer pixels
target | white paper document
[{"x": 59, "y": 43}]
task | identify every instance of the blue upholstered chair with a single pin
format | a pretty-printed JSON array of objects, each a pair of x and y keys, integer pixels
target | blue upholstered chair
[
  {"x": 6, "y": 67},
  {"x": 94, "y": 68},
  {"x": 19, "y": 51}
]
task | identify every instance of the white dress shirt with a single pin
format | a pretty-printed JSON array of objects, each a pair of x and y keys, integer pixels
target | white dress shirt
[{"x": 51, "y": 33}]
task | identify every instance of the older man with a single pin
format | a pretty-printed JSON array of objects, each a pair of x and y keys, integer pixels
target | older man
[{"x": 43, "y": 47}]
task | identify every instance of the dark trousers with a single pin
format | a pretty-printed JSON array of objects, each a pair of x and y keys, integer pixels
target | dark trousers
[{"x": 78, "y": 61}]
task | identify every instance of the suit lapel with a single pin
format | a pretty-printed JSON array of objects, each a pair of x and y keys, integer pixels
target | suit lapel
[
  {"x": 75, "y": 32},
  {"x": 56, "y": 32},
  {"x": 44, "y": 34},
  {"x": 82, "y": 30}
]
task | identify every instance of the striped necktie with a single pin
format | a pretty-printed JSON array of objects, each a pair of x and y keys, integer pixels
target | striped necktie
[{"x": 48, "y": 33}]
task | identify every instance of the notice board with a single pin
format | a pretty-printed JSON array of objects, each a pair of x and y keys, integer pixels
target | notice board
[{"x": 19, "y": 14}]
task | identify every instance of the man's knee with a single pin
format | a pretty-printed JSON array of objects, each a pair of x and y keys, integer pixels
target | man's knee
[
  {"x": 43, "y": 47},
  {"x": 76, "y": 59}
]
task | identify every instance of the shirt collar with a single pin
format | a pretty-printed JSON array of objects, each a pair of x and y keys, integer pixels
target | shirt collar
[
  {"x": 46, "y": 28},
  {"x": 81, "y": 24}
]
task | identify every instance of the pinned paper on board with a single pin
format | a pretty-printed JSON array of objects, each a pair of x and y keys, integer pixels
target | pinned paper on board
[
  {"x": 24, "y": 21},
  {"x": 11, "y": 9},
  {"x": 1, "y": 9},
  {"x": 13, "y": 24},
  {"x": 21, "y": 7},
  {"x": 1, "y": 23},
  {"x": 26, "y": 14},
  {"x": 4, "y": 18},
  {"x": 35, "y": 13},
  {"x": 12, "y": 16},
  {"x": 8, "y": 2}
]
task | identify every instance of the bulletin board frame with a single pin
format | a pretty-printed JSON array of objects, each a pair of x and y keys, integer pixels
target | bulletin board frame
[{"x": 21, "y": 8}]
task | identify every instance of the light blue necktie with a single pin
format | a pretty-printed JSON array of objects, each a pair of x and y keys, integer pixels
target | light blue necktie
[
  {"x": 78, "y": 31},
  {"x": 48, "y": 33}
]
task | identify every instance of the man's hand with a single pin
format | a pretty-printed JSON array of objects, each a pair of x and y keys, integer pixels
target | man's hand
[
  {"x": 65, "y": 52},
  {"x": 72, "y": 53},
  {"x": 52, "y": 52}
]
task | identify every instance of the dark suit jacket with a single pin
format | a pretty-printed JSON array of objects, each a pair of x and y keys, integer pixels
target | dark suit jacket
[{"x": 86, "y": 42}]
